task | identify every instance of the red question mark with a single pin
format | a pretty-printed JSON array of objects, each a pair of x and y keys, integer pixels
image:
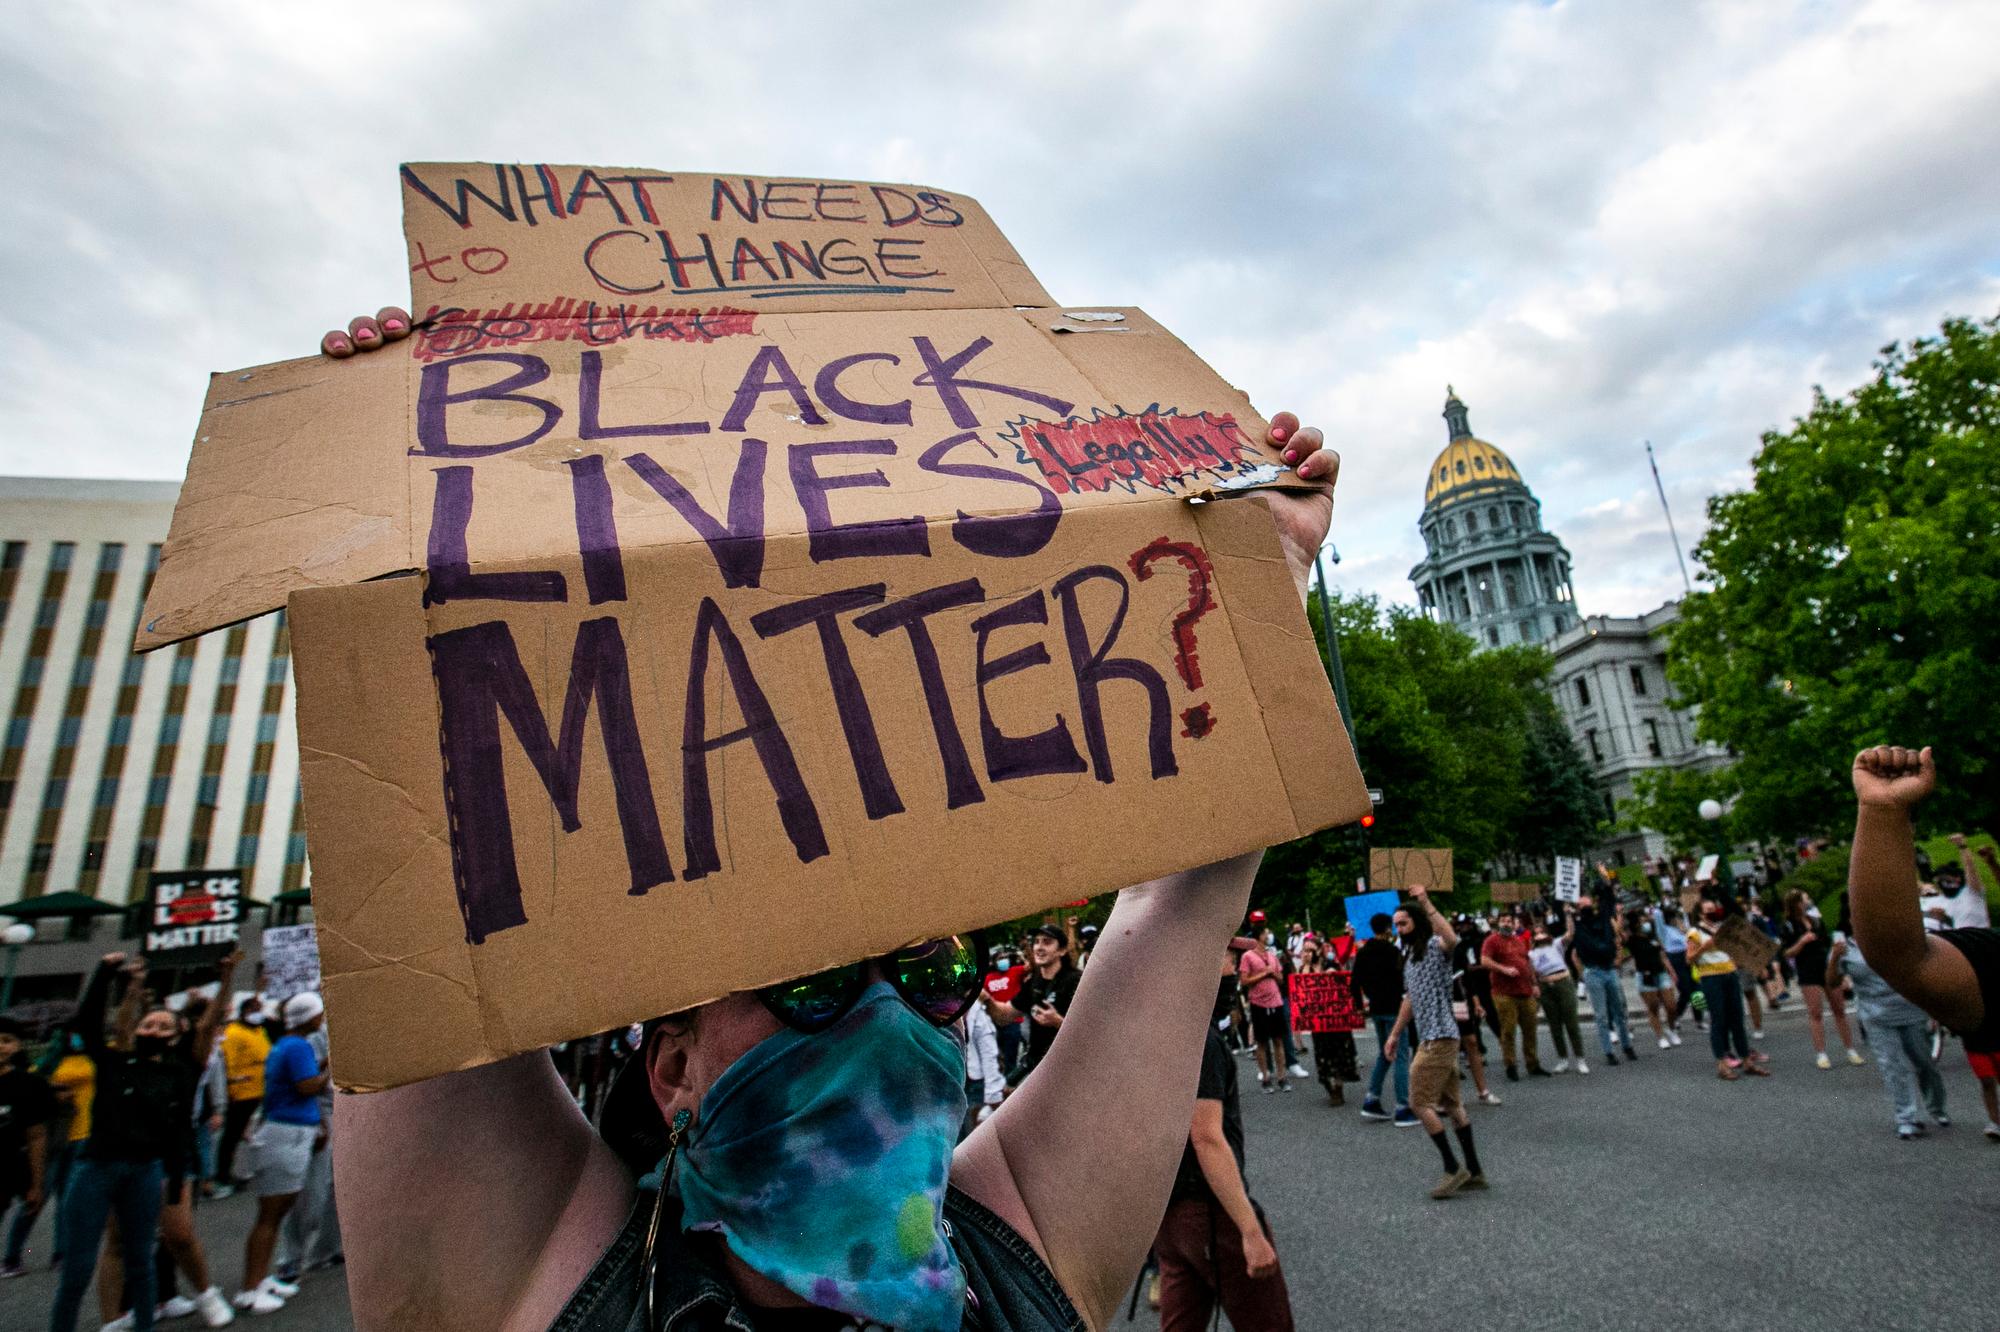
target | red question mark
[{"x": 1199, "y": 720}]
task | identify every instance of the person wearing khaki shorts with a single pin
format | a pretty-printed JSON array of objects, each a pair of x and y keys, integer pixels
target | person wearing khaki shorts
[{"x": 1426, "y": 940}]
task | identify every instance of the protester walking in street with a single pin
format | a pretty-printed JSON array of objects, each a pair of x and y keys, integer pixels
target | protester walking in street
[
  {"x": 1214, "y": 1246},
  {"x": 1898, "y": 1033},
  {"x": 245, "y": 1048},
  {"x": 1722, "y": 993},
  {"x": 28, "y": 1113},
  {"x": 1594, "y": 926},
  {"x": 1259, "y": 972},
  {"x": 140, "y": 1136},
  {"x": 70, "y": 1076},
  {"x": 1962, "y": 888},
  {"x": 1953, "y": 973},
  {"x": 1425, "y": 939},
  {"x": 1469, "y": 965},
  {"x": 1672, "y": 924},
  {"x": 1551, "y": 962},
  {"x": 1002, "y": 983},
  {"x": 1515, "y": 993},
  {"x": 1044, "y": 998},
  {"x": 1806, "y": 941},
  {"x": 309, "y": 1238},
  {"x": 1334, "y": 1056},
  {"x": 1378, "y": 988},
  {"x": 1656, "y": 981},
  {"x": 1465, "y": 1012},
  {"x": 282, "y": 1148}
]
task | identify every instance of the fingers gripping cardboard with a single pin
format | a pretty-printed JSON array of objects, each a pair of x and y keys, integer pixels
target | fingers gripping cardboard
[{"x": 777, "y": 622}]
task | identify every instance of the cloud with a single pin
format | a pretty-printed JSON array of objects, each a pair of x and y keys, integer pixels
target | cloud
[{"x": 1603, "y": 224}]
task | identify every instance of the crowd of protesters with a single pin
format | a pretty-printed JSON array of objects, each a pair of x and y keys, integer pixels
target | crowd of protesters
[{"x": 144, "y": 1106}]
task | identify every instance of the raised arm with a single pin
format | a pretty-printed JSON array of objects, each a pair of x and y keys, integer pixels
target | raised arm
[
  {"x": 1882, "y": 890},
  {"x": 90, "y": 1013},
  {"x": 1439, "y": 925},
  {"x": 211, "y": 1021}
]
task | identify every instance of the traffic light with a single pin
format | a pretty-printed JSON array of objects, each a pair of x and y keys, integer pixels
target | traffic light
[{"x": 1368, "y": 820}]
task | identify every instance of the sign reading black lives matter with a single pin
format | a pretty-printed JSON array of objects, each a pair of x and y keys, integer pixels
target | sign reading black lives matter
[{"x": 193, "y": 916}]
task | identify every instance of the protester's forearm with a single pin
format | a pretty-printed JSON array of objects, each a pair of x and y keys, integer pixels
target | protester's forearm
[
  {"x": 90, "y": 1014},
  {"x": 1882, "y": 890},
  {"x": 37, "y": 1154},
  {"x": 1225, "y": 1181}
]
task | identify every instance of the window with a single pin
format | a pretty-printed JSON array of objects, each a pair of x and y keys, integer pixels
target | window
[
  {"x": 231, "y": 668},
  {"x": 54, "y": 792},
  {"x": 156, "y": 789},
  {"x": 1596, "y": 750},
  {"x": 207, "y": 790},
  {"x": 1512, "y": 589},
  {"x": 1583, "y": 694},
  {"x": 95, "y": 614},
  {"x": 135, "y": 668},
  {"x": 275, "y": 672},
  {"x": 59, "y": 557},
  {"x": 1492, "y": 636},
  {"x": 38, "y": 859},
  {"x": 84, "y": 671},
  {"x": 170, "y": 729},
  {"x": 246, "y": 849},
  {"x": 17, "y": 732},
  {"x": 121, "y": 729},
  {"x": 107, "y": 791},
  {"x": 183, "y": 668},
  {"x": 1652, "y": 737},
  {"x": 295, "y": 849},
  {"x": 109, "y": 556},
  {"x": 31, "y": 672},
  {"x": 218, "y": 729},
  {"x": 267, "y": 728},
  {"x": 67, "y": 730},
  {"x": 259, "y": 788},
  {"x": 146, "y": 853}
]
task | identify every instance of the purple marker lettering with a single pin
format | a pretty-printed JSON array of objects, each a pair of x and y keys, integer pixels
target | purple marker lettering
[
  {"x": 878, "y": 789},
  {"x": 961, "y": 785},
  {"x": 1007, "y": 756},
  {"x": 1092, "y": 666}
]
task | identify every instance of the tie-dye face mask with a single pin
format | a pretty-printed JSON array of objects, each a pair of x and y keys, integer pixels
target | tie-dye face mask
[{"x": 823, "y": 1159}]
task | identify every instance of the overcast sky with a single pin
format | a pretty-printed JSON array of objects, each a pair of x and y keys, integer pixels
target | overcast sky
[{"x": 1603, "y": 223}]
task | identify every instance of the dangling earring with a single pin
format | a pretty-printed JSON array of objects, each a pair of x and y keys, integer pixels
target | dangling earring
[{"x": 681, "y": 1120}]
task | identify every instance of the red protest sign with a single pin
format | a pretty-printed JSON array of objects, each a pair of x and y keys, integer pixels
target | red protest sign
[{"x": 1324, "y": 1001}]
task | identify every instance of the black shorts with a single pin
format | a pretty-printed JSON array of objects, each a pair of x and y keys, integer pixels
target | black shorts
[{"x": 1267, "y": 1024}]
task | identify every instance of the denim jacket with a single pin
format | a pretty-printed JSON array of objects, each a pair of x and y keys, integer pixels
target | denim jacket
[{"x": 1008, "y": 1288}]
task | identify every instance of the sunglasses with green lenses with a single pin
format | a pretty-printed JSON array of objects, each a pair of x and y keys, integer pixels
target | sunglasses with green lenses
[{"x": 938, "y": 979}]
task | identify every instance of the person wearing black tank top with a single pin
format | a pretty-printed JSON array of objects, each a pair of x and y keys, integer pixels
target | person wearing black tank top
[{"x": 1952, "y": 974}]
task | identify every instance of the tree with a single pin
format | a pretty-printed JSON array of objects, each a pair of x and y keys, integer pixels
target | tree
[
  {"x": 1668, "y": 800},
  {"x": 1853, "y": 593},
  {"x": 1467, "y": 747}
]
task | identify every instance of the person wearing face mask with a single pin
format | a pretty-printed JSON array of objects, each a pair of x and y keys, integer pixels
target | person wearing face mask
[
  {"x": 789, "y": 1149},
  {"x": 283, "y": 1147},
  {"x": 245, "y": 1047},
  {"x": 1002, "y": 984},
  {"x": 1963, "y": 890},
  {"x": 140, "y": 1134},
  {"x": 1656, "y": 980},
  {"x": 1515, "y": 994},
  {"x": 1551, "y": 962},
  {"x": 1722, "y": 992}
]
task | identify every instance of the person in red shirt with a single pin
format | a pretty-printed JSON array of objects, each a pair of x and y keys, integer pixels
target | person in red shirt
[
  {"x": 1257, "y": 969},
  {"x": 1505, "y": 956},
  {"x": 1002, "y": 984}
]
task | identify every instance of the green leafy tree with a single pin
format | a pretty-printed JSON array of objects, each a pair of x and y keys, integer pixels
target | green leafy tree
[
  {"x": 1467, "y": 748},
  {"x": 1854, "y": 593},
  {"x": 1668, "y": 800}
]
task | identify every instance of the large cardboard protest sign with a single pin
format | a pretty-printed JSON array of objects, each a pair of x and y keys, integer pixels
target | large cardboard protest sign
[
  {"x": 1404, "y": 866},
  {"x": 1513, "y": 892},
  {"x": 735, "y": 578},
  {"x": 1324, "y": 1001},
  {"x": 193, "y": 917},
  {"x": 1748, "y": 947}
]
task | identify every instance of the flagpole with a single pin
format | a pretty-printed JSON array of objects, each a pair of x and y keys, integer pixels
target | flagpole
[{"x": 1671, "y": 533}]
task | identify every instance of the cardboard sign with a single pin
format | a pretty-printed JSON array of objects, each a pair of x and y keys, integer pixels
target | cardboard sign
[
  {"x": 1324, "y": 1001},
  {"x": 1705, "y": 872},
  {"x": 1748, "y": 947},
  {"x": 193, "y": 917},
  {"x": 1568, "y": 879},
  {"x": 1400, "y": 867},
  {"x": 1516, "y": 892},
  {"x": 291, "y": 961},
  {"x": 737, "y": 578}
]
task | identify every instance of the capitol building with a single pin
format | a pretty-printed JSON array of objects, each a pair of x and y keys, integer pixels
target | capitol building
[
  {"x": 1489, "y": 566},
  {"x": 1493, "y": 571}
]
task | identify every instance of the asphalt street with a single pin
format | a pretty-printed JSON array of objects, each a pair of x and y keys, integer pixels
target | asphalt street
[
  {"x": 1648, "y": 1195},
  {"x": 1651, "y": 1195}
]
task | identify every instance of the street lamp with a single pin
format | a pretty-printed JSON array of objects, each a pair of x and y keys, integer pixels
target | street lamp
[
  {"x": 1712, "y": 810},
  {"x": 14, "y": 936}
]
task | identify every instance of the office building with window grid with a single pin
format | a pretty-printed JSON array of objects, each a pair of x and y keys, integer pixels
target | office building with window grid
[{"x": 115, "y": 765}]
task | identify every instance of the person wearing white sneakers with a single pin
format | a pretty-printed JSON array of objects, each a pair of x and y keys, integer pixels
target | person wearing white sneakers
[
  {"x": 1807, "y": 942},
  {"x": 1656, "y": 977},
  {"x": 1550, "y": 959},
  {"x": 283, "y": 1147}
]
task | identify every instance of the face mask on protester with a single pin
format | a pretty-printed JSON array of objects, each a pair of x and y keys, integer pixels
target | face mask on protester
[
  {"x": 1949, "y": 888},
  {"x": 811, "y": 1151},
  {"x": 1003, "y": 964},
  {"x": 151, "y": 1047}
]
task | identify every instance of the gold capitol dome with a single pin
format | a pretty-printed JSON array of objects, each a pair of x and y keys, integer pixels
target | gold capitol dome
[{"x": 1468, "y": 467}]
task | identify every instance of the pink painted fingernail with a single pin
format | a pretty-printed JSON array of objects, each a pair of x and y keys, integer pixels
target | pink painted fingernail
[
  {"x": 1291, "y": 455},
  {"x": 1278, "y": 433},
  {"x": 393, "y": 325}
]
